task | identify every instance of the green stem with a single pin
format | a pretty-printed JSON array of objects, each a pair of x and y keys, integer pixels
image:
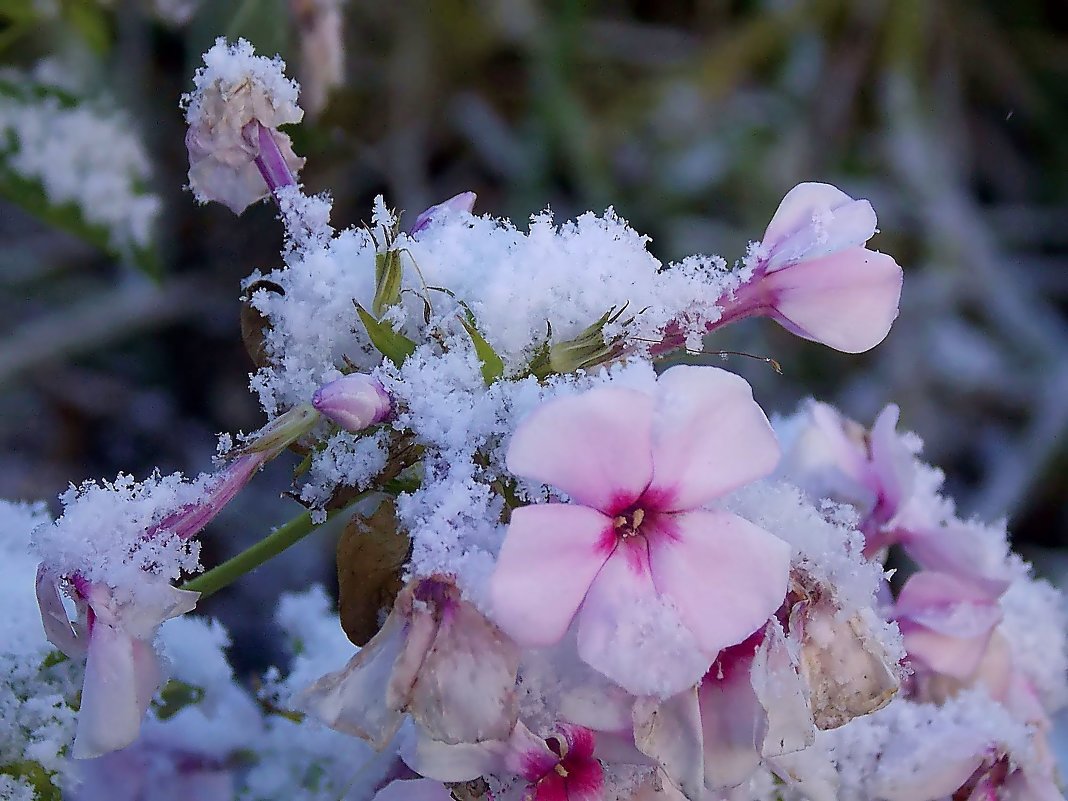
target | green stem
[{"x": 280, "y": 539}]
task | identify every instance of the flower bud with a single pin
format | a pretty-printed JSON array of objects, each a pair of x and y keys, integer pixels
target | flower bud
[
  {"x": 354, "y": 401},
  {"x": 465, "y": 201}
]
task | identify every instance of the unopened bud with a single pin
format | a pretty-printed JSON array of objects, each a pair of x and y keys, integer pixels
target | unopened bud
[
  {"x": 354, "y": 401},
  {"x": 465, "y": 201}
]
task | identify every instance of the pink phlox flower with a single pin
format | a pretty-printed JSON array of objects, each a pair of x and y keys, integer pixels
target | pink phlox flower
[
  {"x": 463, "y": 202},
  {"x": 659, "y": 584},
  {"x": 559, "y": 767},
  {"x": 813, "y": 275},
  {"x": 122, "y": 669},
  {"x": 437, "y": 659},
  {"x": 751, "y": 705}
]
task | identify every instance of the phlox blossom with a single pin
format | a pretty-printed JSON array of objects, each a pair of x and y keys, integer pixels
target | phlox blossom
[{"x": 659, "y": 583}]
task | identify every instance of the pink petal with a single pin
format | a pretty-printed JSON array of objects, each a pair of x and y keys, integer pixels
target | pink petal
[
  {"x": 852, "y": 222},
  {"x": 596, "y": 446},
  {"x": 54, "y": 617},
  {"x": 550, "y": 555},
  {"x": 958, "y": 657},
  {"x": 709, "y": 437},
  {"x": 631, "y": 634},
  {"x": 121, "y": 675},
  {"x": 733, "y": 722},
  {"x": 947, "y": 605},
  {"x": 955, "y": 548},
  {"x": 450, "y": 763},
  {"x": 892, "y": 463},
  {"x": 585, "y": 781},
  {"x": 529, "y": 755},
  {"x": 580, "y": 740},
  {"x": 354, "y": 699},
  {"x": 726, "y": 575},
  {"x": 847, "y": 300},
  {"x": 670, "y": 732},
  {"x": 937, "y": 777},
  {"x": 414, "y": 790},
  {"x": 465, "y": 690},
  {"x": 778, "y": 684},
  {"x": 551, "y": 788}
]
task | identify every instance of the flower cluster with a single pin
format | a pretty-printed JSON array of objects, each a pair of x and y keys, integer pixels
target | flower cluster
[{"x": 565, "y": 574}]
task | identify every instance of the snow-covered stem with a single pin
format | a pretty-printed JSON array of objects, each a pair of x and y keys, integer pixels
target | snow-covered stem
[{"x": 279, "y": 540}]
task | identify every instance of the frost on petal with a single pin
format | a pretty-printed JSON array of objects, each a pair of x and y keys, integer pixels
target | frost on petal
[
  {"x": 733, "y": 721},
  {"x": 815, "y": 219},
  {"x": 121, "y": 675},
  {"x": 550, "y": 556},
  {"x": 846, "y": 301},
  {"x": 669, "y": 732},
  {"x": 725, "y": 575},
  {"x": 633, "y": 635},
  {"x": 709, "y": 437},
  {"x": 596, "y": 446},
  {"x": 354, "y": 700},
  {"x": 811, "y": 772},
  {"x": 847, "y": 670},
  {"x": 465, "y": 691}
]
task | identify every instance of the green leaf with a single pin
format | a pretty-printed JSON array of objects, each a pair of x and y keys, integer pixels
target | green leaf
[
  {"x": 176, "y": 696},
  {"x": 492, "y": 364},
  {"x": 34, "y": 774},
  {"x": 394, "y": 346},
  {"x": 388, "y": 274},
  {"x": 91, "y": 22}
]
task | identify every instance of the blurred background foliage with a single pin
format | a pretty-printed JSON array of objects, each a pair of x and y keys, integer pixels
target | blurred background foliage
[{"x": 691, "y": 117}]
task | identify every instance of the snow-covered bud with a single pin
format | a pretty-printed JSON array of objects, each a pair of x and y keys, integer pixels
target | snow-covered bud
[
  {"x": 465, "y": 201},
  {"x": 354, "y": 401},
  {"x": 236, "y": 154},
  {"x": 813, "y": 275}
]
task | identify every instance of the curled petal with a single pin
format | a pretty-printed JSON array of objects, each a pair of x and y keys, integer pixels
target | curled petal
[
  {"x": 732, "y": 719},
  {"x": 847, "y": 300},
  {"x": 848, "y": 672},
  {"x": 465, "y": 691},
  {"x": 550, "y": 556},
  {"x": 354, "y": 700},
  {"x": 815, "y": 220},
  {"x": 459, "y": 762},
  {"x": 725, "y": 575},
  {"x": 631, "y": 634},
  {"x": 669, "y": 731},
  {"x": 777, "y": 682},
  {"x": 122, "y": 674},
  {"x": 54, "y": 619},
  {"x": 709, "y": 438},
  {"x": 596, "y": 446}
]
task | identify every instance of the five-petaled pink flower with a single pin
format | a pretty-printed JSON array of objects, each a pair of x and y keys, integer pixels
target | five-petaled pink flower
[
  {"x": 560, "y": 767},
  {"x": 659, "y": 583},
  {"x": 814, "y": 276}
]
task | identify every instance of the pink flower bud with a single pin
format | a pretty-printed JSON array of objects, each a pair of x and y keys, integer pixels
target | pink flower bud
[
  {"x": 354, "y": 401},
  {"x": 813, "y": 275},
  {"x": 465, "y": 201}
]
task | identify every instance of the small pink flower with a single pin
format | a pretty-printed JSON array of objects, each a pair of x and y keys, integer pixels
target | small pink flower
[
  {"x": 659, "y": 584},
  {"x": 560, "y": 767},
  {"x": 122, "y": 670},
  {"x": 465, "y": 201},
  {"x": 814, "y": 276},
  {"x": 354, "y": 401},
  {"x": 436, "y": 658}
]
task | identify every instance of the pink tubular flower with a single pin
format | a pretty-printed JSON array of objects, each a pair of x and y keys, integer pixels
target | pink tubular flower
[
  {"x": 122, "y": 670},
  {"x": 465, "y": 201},
  {"x": 354, "y": 401},
  {"x": 814, "y": 276},
  {"x": 560, "y": 767},
  {"x": 659, "y": 584},
  {"x": 436, "y": 658}
]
